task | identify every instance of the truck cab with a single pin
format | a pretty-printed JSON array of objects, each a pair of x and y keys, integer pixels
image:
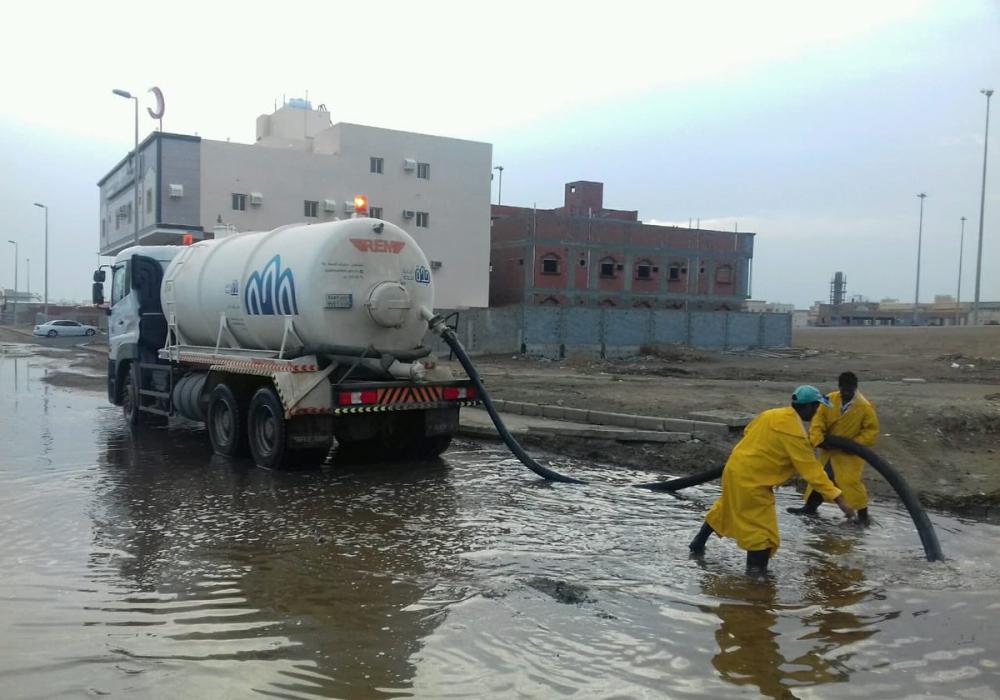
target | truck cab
[{"x": 136, "y": 328}]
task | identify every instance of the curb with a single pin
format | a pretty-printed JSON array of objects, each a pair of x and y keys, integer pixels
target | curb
[{"x": 651, "y": 424}]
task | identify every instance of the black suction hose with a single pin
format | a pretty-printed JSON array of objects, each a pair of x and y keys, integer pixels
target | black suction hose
[
  {"x": 928, "y": 538},
  {"x": 932, "y": 548},
  {"x": 449, "y": 337},
  {"x": 684, "y": 481}
]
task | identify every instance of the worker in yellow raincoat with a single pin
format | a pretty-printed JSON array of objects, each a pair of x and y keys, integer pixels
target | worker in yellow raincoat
[
  {"x": 774, "y": 448},
  {"x": 852, "y": 416}
]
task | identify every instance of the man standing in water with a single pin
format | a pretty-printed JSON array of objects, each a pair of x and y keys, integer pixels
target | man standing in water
[
  {"x": 852, "y": 416},
  {"x": 774, "y": 448}
]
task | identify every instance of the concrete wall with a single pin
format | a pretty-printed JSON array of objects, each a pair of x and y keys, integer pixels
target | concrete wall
[{"x": 562, "y": 331}]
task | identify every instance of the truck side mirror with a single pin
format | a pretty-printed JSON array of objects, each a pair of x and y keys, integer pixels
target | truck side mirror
[
  {"x": 100, "y": 275},
  {"x": 97, "y": 291}
]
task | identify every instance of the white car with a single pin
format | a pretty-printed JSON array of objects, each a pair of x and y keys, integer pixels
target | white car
[{"x": 53, "y": 328}]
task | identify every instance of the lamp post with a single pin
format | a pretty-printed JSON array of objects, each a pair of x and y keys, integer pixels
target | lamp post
[
  {"x": 27, "y": 268},
  {"x": 135, "y": 164},
  {"x": 982, "y": 206},
  {"x": 500, "y": 183},
  {"x": 961, "y": 250},
  {"x": 14, "y": 243},
  {"x": 920, "y": 240},
  {"x": 46, "y": 258}
]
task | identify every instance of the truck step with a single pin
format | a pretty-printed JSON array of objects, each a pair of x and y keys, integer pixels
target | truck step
[
  {"x": 153, "y": 409},
  {"x": 153, "y": 392}
]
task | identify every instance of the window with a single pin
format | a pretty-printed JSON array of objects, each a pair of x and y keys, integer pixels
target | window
[
  {"x": 423, "y": 219},
  {"x": 310, "y": 208},
  {"x": 149, "y": 201},
  {"x": 375, "y": 165},
  {"x": 583, "y": 262},
  {"x": 607, "y": 268},
  {"x": 239, "y": 202},
  {"x": 375, "y": 212},
  {"x": 724, "y": 274},
  {"x": 675, "y": 272},
  {"x": 119, "y": 283},
  {"x": 643, "y": 271},
  {"x": 550, "y": 265},
  {"x": 424, "y": 171}
]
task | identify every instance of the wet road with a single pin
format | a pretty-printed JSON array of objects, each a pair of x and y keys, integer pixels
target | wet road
[{"x": 147, "y": 566}]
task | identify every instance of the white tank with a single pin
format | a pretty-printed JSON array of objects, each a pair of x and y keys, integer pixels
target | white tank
[{"x": 358, "y": 282}]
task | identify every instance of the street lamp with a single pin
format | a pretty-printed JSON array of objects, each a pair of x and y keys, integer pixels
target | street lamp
[
  {"x": 14, "y": 243},
  {"x": 920, "y": 240},
  {"x": 961, "y": 250},
  {"x": 982, "y": 206},
  {"x": 500, "y": 183},
  {"x": 46, "y": 258},
  {"x": 135, "y": 164}
]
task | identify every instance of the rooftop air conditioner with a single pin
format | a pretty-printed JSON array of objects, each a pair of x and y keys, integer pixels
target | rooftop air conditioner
[
  {"x": 256, "y": 199},
  {"x": 176, "y": 191},
  {"x": 348, "y": 206},
  {"x": 409, "y": 164},
  {"x": 407, "y": 213},
  {"x": 330, "y": 205}
]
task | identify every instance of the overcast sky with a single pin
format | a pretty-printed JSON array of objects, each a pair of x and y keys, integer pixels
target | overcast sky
[{"x": 813, "y": 124}]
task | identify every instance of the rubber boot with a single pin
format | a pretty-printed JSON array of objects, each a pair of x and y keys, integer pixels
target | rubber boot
[
  {"x": 757, "y": 562},
  {"x": 811, "y": 506},
  {"x": 697, "y": 545},
  {"x": 863, "y": 519}
]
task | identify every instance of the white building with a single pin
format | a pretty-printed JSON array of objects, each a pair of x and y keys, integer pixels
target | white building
[{"x": 305, "y": 169}]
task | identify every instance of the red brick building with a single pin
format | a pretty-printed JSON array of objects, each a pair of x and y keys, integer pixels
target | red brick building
[{"x": 584, "y": 254}]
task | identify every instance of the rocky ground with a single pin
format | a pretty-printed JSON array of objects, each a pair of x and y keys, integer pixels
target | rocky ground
[{"x": 937, "y": 392}]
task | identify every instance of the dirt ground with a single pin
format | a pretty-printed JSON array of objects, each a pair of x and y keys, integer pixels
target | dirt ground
[{"x": 942, "y": 433}]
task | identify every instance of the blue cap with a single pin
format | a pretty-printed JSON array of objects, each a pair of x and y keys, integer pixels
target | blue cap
[{"x": 809, "y": 394}]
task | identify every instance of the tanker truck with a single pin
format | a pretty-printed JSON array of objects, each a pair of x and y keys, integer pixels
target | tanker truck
[{"x": 283, "y": 342}]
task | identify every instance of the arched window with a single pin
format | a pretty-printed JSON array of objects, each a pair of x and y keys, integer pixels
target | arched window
[
  {"x": 550, "y": 264},
  {"x": 550, "y": 301},
  {"x": 607, "y": 302},
  {"x": 644, "y": 270}
]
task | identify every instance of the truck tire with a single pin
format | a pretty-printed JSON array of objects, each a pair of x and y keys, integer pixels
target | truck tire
[
  {"x": 130, "y": 396},
  {"x": 266, "y": 430},
  {"x": 227, "y": 426}
]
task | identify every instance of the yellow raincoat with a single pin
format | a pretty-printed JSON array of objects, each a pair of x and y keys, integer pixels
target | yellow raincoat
[
  {"x": 858, "y": 423},
  {"x": 774, "y": 448}
]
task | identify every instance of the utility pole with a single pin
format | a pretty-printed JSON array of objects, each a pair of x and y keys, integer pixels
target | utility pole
[
  {"x": 982, "y": 207},
  {"x": 500, "y": 183},
  {"x": 135, "y": 165},
  {"x": 961, "y": 250},
  {"x": 920, "y": 240},
  {"x": 14, "y": 243},
  {"x": 43, "y": 206}
]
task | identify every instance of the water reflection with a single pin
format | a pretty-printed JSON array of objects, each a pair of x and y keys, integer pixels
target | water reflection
[
  {"x": 760, "y": 639},
  {"x": 323, "y": 569}
]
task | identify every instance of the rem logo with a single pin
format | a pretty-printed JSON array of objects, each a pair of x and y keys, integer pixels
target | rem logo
[
  {"x": 422, "y": 275},
  {"x": 270, "y": 291},
  {"x": 377, "y": 245}
]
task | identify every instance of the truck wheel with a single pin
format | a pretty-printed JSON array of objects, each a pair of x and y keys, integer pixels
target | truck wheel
[
  {"x": 226, "y": 426},
  {"x": 130, "y": 396},
  {"x": 266, "y": 429}
]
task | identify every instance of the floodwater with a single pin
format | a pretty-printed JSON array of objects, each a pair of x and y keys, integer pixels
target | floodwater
[{"x": 146, "y": 566}]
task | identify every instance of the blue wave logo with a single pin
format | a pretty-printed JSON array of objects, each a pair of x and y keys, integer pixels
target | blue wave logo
[{"x": 271, "y": 291}]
